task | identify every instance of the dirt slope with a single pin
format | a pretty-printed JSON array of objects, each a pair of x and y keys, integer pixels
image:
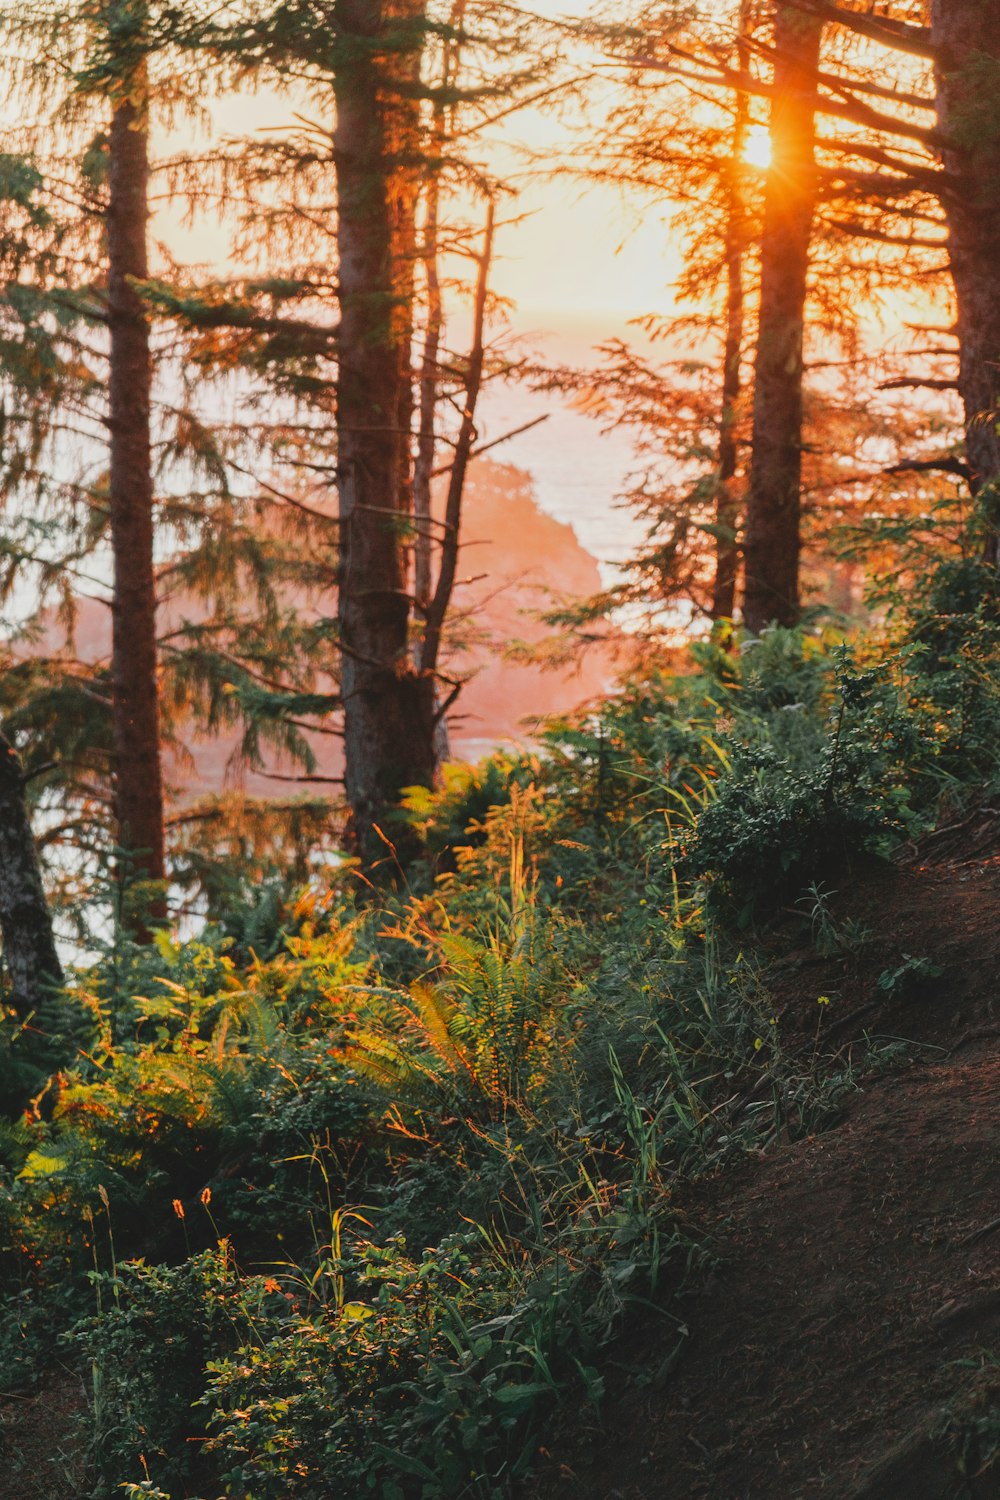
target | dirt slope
[{"x": 844, "y": 1344}]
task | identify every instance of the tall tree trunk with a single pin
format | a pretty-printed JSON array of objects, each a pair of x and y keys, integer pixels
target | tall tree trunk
[
  {"x": 423, "y": 467},
  {"x": 29, "y": 948},
  {"x": 437, "y": 610},
  {"x": 966, "y": 34},
  {"x": 135, "y": 708},
  {"x": 726, "y": 504},
  {"x": 388, "y": 706},
  {"x": 772, "y": 545},
  {"x": 727, "y": 511}
]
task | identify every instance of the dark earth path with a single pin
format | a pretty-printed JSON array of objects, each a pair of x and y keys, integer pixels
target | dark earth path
[{"x": 847, "y": 1341}]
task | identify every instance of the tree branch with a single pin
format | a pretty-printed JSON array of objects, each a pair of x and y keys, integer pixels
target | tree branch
[
  {"x": 945, "y": 464},
  {"x": 918, "y": 382},
  {"x": 901, "y": 36},
  {"x": 438, "y": 607}
]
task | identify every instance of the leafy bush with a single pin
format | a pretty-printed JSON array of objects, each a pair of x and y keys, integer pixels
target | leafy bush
[
  {"x": 419, "y": 1380},
  {"x": 148, "y": 1346},
  {"x": 776, "y": 824}
]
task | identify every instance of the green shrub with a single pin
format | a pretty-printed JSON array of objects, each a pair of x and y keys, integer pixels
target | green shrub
[
  {"x": 148, "y": 1347},
  {"x": 778, "y": 822}
]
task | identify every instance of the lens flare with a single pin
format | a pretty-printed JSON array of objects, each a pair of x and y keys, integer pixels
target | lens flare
[{"x": 757, "y": 147}]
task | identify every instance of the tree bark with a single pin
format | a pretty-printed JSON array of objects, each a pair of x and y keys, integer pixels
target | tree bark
[
  {"x": 772, "y": 545},
  {"x": 437, "y": 610},
  {"x": 423, "y": 467},
  {"x": 29, "y": 948},
  {"x": 727, "y": 510},
  {"x": 388, "y": 706},
  {"x": 135, "y": 707},
  {"x": 966, "y": 37}
]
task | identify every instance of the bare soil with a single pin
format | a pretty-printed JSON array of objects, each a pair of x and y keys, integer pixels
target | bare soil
[
  {"x": 847, "y": 1341},
  {"x": 41, "y": 1454}
]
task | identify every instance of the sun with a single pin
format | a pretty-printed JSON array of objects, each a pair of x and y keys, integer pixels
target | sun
[{"x": 757, "y": 147}]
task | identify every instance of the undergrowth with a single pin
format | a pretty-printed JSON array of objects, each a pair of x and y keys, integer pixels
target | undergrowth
[{"x": 347, "y": 1199}]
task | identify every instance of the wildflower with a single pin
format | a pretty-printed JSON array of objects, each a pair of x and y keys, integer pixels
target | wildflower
[
  {"x": 758, "y": 1043},
  {"x": 178, "y": 1208},
  {"x": 206, "y": 1196},
  {"x": 823, "y": 1000}
]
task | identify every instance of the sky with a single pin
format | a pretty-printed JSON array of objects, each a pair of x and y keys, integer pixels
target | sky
[
  {"x": 580, "y": 259},
  {"x": 579, "y": 264}
]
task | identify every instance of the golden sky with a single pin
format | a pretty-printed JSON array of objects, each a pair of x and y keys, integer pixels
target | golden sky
[{"x": 582, "y": 257}]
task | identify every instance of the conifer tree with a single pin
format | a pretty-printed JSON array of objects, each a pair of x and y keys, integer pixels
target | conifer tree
[
  {"x": 957, "y": 40},
  {"x": 103, "y": 51},
  {"x": 336, "y": 337},
  {"x": 853, "y": 214},
  {"x": 388, "y": 705},
  {"x": 29, "y": 948},
  {"x": 134, "y": 678},
  {"x": 965, "y": 38},
  {"x": 100, "y": 406},
  {"x": 735, "y": 253},
  {"x": 773, "y": 529}
]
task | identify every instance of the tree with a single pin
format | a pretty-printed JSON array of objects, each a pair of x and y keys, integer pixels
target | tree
[
  {"x": 134, "y": 677},
  {"x": 388, "y": 704},
  {"x": 103, "y": 53},
  {"x": 965, "y": 38},
  {"x": 339, "y": 343},
  {"x": 735, "y": 246},
  {"x": 29, "y": 947},
  {"x": 773, "y": 533},
  {"x": 101, "y": 409},
  {"x": 103, "y": 50},
  {"x": 959, "y": 38},
  {"x": 862, "y": 193}
]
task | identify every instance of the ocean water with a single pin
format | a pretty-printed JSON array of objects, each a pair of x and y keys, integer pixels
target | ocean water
[{"x": 576, "y": 469}]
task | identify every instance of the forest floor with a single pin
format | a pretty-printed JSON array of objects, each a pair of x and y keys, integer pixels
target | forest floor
[
  {"x": 42, "y": 1453},
  {"x": 844, "y": 1336},
  {"x": 846, "y": 1341}
]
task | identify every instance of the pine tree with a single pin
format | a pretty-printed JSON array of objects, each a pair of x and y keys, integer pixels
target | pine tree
[
  {"x": 388, "y": 704},
  {"x": 959, "y": 39},
  {"x": 965, "y": 41},
  {"x": 773, "y": 530},
  {"x": 105, "y": 50},
  {"x": 851, "y": 215},
  {"x": 29, "y": 947},
  {"x": 100, "y": 405},
  {"x": 134, "y": 690},
  {"x": 339, "y": 345}
]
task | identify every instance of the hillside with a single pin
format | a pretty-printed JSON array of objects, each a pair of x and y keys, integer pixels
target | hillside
[
  {"x": 839, "y": 1336},
  {"x": 844, "y": 1340},
  {"x": 642, "y": 1145}
]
